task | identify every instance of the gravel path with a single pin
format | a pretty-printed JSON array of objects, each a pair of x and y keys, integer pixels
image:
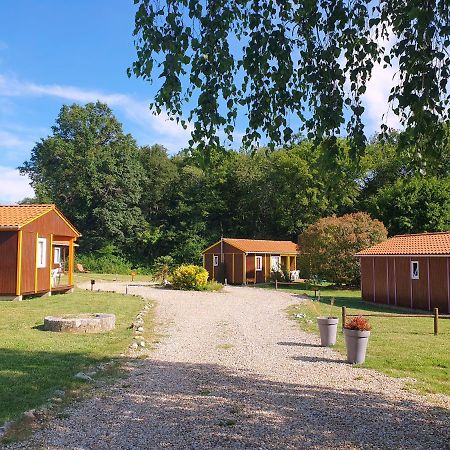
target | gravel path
[{"x": 232, "y": 371}]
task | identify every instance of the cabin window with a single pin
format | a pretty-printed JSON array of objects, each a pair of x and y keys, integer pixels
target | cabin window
[
  {"x": 258, "y": 263},
  {"x": 415, "y": 270},
  {"x": 216, "y": 260},
  {"x": 275, "y": 263},
  {"x": 41, "y": 252},
  {"x": 57, "y": 256}
]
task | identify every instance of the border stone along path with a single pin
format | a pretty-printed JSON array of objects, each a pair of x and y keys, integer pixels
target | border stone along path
[{"x": 232, "y": 370}]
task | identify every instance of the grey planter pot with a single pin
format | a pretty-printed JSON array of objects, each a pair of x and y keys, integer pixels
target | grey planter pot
[
  {"x": 328, "y": 330},
  {"x": 356, "y": 342}
]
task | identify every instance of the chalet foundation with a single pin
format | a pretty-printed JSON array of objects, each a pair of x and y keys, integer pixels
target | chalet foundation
[{"x": 80, "y": 323}]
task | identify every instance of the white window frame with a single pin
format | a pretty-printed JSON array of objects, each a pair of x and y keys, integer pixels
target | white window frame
[
  {"x": 260, "y": 264},
  {"x": 275, "y": 266},
  {"x": 216, "y": 260},
  {"x": 57, "y": 255},
  {"x": 415, "y": 274},
  {"x": 41, "y": 253}
]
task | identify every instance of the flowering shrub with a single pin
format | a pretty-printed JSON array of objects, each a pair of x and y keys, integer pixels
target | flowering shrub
[
  {"x": 190, "y": 277},
  {"x": 328, "y": 246},
  {"x": 358, "y": 323}
]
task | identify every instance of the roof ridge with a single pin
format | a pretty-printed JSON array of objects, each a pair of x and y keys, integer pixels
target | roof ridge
[
  {"x": 425, "y": 233},
  {"x": 28, "y": 205},
  {"x": 264, "y": 240}
]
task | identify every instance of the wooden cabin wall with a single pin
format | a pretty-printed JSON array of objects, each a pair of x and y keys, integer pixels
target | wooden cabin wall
[
  {"x": 367, "y": 279},
  {"x": 420, "y": 287},
  {"x": 227, "y": 248},
  {"x": 238, "y": 268},
  {"x": 208, "y": 265},
  {"x": 250, "y": 268},
  {"x": 8, "y": 262},
  {"x": 439, "y": 283},
  {"x": 28, "y": 262},
  {"x": 50, "y": 223},
  {"x": 403, "y": 281},
  {"x": 388, "y": 280}
]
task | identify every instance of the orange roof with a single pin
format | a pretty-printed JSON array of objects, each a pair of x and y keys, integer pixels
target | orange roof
[
  {"x": 14, "y": 217},
  {"x": 261, "y": 246},
  {"x": 412, "y": 244}
]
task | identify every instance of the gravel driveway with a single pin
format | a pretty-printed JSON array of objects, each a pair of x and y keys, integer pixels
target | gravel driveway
[{"x": 233, "y": 371}]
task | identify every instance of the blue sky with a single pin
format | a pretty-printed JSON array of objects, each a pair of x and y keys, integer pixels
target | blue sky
[{"x": 55, "y": 52}]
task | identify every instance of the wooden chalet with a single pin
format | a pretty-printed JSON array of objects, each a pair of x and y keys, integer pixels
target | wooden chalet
[
  {"x": 411, "y": 270},
  {"x": 243, "y": 261},
  {"x": 36, "y": 251}
]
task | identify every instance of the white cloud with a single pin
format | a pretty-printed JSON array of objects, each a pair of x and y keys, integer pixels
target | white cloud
[
  {"x": 11, "y": 140},
  {"x": 160, "y": 128},
  {"x": 377, "y": 107},
  {"x": 13, "y": 186}
]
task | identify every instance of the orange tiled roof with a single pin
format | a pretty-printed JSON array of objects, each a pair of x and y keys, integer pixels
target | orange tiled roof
[
  {"x": 412, "y": 244},
  {"x": 260, "y": 245},
  {"x": 16, "y": 216}
]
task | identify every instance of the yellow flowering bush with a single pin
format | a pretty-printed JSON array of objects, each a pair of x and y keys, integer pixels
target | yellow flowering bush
[{"x": 190, "y": 277}]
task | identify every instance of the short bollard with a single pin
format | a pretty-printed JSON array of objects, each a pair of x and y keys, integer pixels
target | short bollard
[{"x": 92, "y": 284}]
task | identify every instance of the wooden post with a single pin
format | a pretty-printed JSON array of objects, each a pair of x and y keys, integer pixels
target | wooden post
[
  {"x": 71, "y": 262},
  {"x": 344, "y": 316},
  {"x": 52, "y": 256},
  {"x": 436, "y": 317},
  {"x": 19, "y": 264},
  {"x": 232, "y": 272},
  {"x": 36, "y": 264},
  {"x": 276, "y": 283}
]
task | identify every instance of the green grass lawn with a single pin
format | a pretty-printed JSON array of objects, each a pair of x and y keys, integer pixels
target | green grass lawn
[
  {"x": 34, "y": 363},
  {"x": 399, "y": 347}
]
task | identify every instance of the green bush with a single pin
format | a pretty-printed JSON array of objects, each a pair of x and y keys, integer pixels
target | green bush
[
  {"x": 212, "y": 286},
  {"x": 104, "y": 263},
  {"x": 190, "y": 277}
]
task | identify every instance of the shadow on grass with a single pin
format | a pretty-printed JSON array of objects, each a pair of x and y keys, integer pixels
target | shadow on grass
[
  {"x": 28, "y": 379},
  {"x": 180, "y": 405}
]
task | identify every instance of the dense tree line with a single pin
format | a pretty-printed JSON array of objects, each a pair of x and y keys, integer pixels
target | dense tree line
[{"x": 140, "y": 203}]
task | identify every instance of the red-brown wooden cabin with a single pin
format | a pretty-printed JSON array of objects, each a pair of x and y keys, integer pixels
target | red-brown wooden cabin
[
  {"x": 36, "y": 241},
  {"x": 411, "y": 270},
  {"x": 243, "y": 261}
]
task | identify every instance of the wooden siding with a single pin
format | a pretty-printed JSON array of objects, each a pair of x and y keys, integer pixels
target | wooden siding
[
  {"x": 227, "y": 248},
  {"x": 380, "y": 274},
  {"x": 238, "y": 269},
  {"x": 28, "y": 262},
  {"x": 250, "y": 266},
  {"x": 403, "y": 278},
  {"x": 228, "y": 270},
  {"x": 391, "y": 300},
  {"x": 390, "y": 279},
  {"x": 208, "y": 264},
  {"x": 50, "y": 223},
  {"x": 8, "y": 262},
  {"x": 367, "y": 279},
  {"x": 439, "y": 283},
  {"x": 420, "y": 286}
]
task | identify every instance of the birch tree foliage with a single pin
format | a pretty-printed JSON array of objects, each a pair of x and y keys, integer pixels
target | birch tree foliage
[{"x": 308, "y": 59}]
